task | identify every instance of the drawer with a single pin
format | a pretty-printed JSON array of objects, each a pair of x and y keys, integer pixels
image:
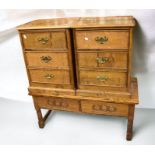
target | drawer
[
  {"x": 115, "y": 60},
  {"x": 103, "y": 78},
  {"x": 102, "y": 39},
  {"x": 44, "y": 40},
  {"x": 97, "y": 107},
  {"x": 50, "y": 76},
  {"x": 47, "y": 59},
  {"x": 58, "y": 103}
]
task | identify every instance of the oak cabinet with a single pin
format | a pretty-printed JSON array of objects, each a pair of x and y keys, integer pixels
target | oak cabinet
[{"x": 81, "y": 64}]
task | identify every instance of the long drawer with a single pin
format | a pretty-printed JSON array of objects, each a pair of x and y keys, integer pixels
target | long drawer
[
  {"x": 102, "y": 39},
  {"x": 58, "y": 103},
  {"x": 50, "y": 76},
  {"x": 42, "y": 40},
  {"x": 94, "y": 59},
  {"x": 97, "y": 107},
  {"x": 47, "y": 59},
  {"x": 103, "y": 78}
]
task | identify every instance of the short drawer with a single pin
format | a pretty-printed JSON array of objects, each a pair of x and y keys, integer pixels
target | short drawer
[
  {"x": 58, "y": 103},
  {"x": 47, "y": 59},
  {"x": 50, "y": 76},
  {"x": 115, "y": 60},
  {"x": 97, "y": 107},
  {"x": 102, "y": 39},
  {"x": 103, "y": 78},
  {"x": 44, "y": 40}
]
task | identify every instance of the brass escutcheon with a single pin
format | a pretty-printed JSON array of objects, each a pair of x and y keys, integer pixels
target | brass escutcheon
[
  {"x": 103, "y": 60},
  {"x": 102, "y": 78},
  {"x": 43, "y": 40},
  {"x": 101, "y": 40},
  {"x": 46, "y": 59},
  {"x": 49, "y": 76}
]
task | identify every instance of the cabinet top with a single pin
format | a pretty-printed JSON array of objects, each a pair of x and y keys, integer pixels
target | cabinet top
[{"x": 80, "y": 22}]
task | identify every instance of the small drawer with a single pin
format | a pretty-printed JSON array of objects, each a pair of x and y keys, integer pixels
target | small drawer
[
  {"x": 44, "y": 40},
  {"x": 103, "y": 78},
  {"x": 114, "y": 60},
  {"x": 104, "y": 108},
  {"x": 102, "y": 39},
  {"x": 49, "y": 76},
  {"x": 47, "y": 59},
  {"x": 57, "y": 103},
  {"x": 64, "y": 104}
]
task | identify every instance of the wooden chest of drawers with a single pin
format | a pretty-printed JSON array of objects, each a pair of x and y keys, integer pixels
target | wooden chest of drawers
[{"x": 81, "y": 65}]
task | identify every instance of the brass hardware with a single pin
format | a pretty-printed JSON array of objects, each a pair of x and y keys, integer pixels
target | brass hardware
[
  {"x": 103, "y": 60},
  {"x": 46, "y": 59},
  {"x": 101, "y": 40},
  {"x": 49, "y": 76},
  {"x": 105, "y": 108},
  {"x": 43, "y": 40},
  {"x": 102, "y": 78}
]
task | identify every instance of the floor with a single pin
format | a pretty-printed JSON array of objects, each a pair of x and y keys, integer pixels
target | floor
[{"x": 18, "y": 125}]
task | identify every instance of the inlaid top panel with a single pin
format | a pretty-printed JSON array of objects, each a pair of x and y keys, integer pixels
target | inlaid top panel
[{"x": 80, "y": 22}]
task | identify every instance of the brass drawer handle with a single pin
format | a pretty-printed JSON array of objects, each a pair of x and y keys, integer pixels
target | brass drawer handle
[
  {"x": 105, "y": 108},
  {"x": 101, "y": 40},
  {"x": 46, "y": 59},
  {"x": 49, "y": 76},
  {"x": 102, "y": 78},
  {"x": 103, "y": 60},
  {"x": 43, "y": 40}
]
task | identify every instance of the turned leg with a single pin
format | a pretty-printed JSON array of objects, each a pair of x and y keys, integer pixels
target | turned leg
[{"x": 130, "y": 122}]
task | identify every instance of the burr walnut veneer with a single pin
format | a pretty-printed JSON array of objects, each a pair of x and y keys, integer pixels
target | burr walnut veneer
[{"x": 81, "y": 65}]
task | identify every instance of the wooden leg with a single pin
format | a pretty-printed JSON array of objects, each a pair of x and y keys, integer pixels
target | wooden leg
[
  {"x": 130, "y": 122},
  {"x": 41, "y": 118}
]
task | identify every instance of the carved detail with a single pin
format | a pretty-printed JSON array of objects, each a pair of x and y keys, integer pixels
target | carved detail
[
  {"x": 58, "y": 103},
  {"x": 106, "y": 108}
]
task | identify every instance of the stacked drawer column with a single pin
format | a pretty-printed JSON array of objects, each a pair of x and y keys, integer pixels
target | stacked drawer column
[{"x": 102, "y": 57}]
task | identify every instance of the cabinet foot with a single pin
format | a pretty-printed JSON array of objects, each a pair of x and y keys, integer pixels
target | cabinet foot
[
  {"x": 41, "y": 119},
  {"x": 130, "y": 122}
]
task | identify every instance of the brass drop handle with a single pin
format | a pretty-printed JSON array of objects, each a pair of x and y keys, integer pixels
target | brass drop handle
[
  {"x": 46, "y": 59},
  {"x": 101, "y": 40},
  {"x": 49, "y": 76},
  {"x": 43, "y": 40},
  {"x": 103, "y": 60},
  {"x": 102, "y": 78}
]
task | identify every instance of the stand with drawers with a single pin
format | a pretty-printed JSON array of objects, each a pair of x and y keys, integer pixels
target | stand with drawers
[{"x": 81, "y": 65}]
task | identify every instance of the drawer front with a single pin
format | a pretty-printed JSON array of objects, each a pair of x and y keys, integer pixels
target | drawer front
[
  {"x": 47, "y": 59},
  {"x": 44, "y": 40},
  {"x": 115, "y": 60},
  {"x": 102, "y": 39},
  {"x": 64, "y": 104},
  {"x": 57, "y": 103},
  {"x": 104, "y": 108},
  {"x": 101, "y": 78},
  {"x": 49, "y": 76}
]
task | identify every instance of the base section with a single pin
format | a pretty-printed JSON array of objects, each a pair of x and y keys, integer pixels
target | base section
[{"x": 112, "y": 106}]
